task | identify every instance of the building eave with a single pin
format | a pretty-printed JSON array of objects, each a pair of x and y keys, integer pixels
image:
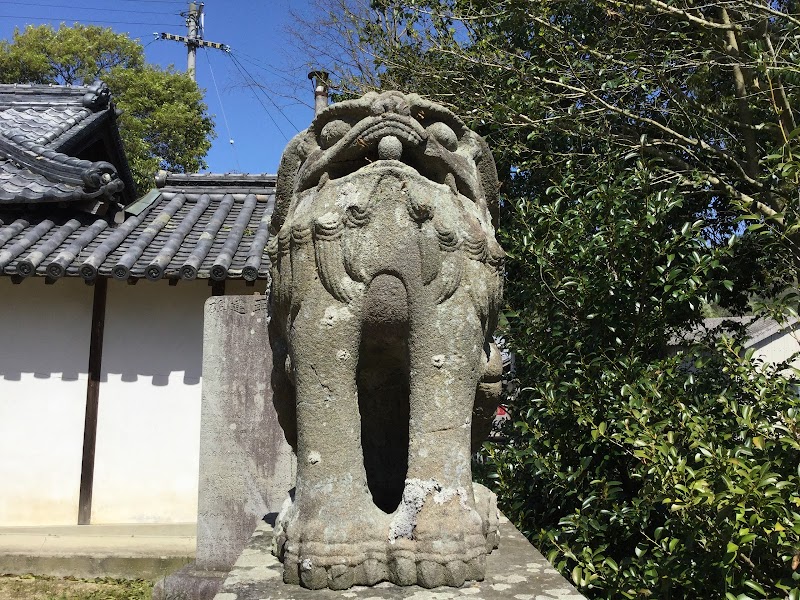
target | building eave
[{"x": 215, "y": 231}]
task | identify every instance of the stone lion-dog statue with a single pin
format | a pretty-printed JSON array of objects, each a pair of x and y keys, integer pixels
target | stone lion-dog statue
[{"x": 386, "y": 282}]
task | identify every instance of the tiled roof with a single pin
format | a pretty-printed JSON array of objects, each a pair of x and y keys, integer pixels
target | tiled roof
[
  {"x": 206, "y": 226},
  {"x": 757, "y": 329},
  {"x": 43, "y": 113},
  {"x": 38, "y": 127}
]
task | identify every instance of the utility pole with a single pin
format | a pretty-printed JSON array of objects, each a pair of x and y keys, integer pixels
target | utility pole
[{"x": 194, "y": 24}]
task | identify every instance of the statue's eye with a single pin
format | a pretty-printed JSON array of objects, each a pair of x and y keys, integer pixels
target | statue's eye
[
  {"x": 332, "y": 132},
  {"x": 444, "y": 135}
]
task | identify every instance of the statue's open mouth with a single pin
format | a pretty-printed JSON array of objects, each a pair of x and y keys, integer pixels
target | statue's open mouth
[
  {"x": 410, "y": 135},
  {"x": 391, "y": 140}
]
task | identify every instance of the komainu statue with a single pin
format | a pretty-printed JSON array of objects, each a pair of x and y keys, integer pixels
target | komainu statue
[{"x": 386, "y": 281}]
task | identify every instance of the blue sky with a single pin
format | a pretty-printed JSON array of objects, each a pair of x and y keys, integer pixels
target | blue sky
[{"x": 259, "y": 121}]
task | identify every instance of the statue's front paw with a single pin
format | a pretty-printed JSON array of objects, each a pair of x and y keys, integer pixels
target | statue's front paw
[
  {"x": 486, "y": 505},
  {"x": 430, "y": 571},
  {"x": 279, "y": 531},
  {"x": 321, "y": 554}
]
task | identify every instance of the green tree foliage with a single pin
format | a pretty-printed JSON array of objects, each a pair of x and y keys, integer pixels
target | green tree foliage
[
  {"x": 708, "y": 90},
  {"x": 648, "y": 154},
  {"x": 164, "y": 122},
  {"x": 646, "y": 464}
]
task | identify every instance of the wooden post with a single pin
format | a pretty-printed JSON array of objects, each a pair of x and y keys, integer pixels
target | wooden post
[
  {"x": 92, "y": 398},
  {"x": 320, "y": 79}
]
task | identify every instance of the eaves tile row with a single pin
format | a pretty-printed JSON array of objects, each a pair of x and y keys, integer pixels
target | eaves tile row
[{"x": 178, "y": 233}]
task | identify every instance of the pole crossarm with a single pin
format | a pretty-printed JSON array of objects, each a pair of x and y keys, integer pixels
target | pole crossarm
[{"x": 196, "y": 42}]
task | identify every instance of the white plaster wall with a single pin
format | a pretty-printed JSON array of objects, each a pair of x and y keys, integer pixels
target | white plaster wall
[
  {"x": 148, "y": 431},
  {"x": 780, "y": 347},
  {"x": 147, "y": 453},
  {"x": 44, "y": 355}
]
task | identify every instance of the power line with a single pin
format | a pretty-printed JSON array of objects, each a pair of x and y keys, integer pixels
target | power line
[
  {"x": 256, "y": 62},
  {"x": 241, "y": 70},
  {"x": 222, "y": 108},
  {"x": 271, "y": 70},
  {"x": 260, "y": 87},
  {"x": 65, "y": 19},
  {"x": 137, "y": 12},
  {"x": 148, "y": 43}
]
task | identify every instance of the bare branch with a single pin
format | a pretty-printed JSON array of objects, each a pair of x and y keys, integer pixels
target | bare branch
[{"x": 664, "y": 8}]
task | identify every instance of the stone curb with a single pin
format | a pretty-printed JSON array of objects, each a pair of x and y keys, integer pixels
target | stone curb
[{"x": 89, "y": 567}]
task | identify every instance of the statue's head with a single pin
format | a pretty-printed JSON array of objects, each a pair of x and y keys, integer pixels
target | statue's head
[{"x": 390, "y": 128}]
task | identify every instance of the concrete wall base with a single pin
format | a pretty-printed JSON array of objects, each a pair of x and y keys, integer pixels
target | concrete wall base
[
  {"x": 127, "y": 551},
  {"x": 86, "y": 566}
]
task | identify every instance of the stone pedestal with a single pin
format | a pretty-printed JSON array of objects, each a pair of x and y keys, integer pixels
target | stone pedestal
[
  {"x": 246, "y": 466},
  {"x": 515, "y": 571}
]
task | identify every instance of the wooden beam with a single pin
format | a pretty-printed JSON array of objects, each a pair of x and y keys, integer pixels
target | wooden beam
[
  {"x": 217, "y": 287},
  {"x": 92, "y": 400}
]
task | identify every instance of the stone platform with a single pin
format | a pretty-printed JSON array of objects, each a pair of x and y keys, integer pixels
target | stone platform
[{"x": 515, "y": 571}]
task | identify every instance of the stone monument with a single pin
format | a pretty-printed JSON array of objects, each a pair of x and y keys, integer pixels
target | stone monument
[
  {"x": 386, "y": 282},
  {"x": 246, "y": 467}
]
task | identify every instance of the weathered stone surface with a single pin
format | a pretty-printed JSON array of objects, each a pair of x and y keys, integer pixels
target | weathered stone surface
[
  {"x": 386, "y": 281},
  {"x": 516, "y": 571},
  {"x": 246, "y": 466},
  {"x": 189, "y": 583}
]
